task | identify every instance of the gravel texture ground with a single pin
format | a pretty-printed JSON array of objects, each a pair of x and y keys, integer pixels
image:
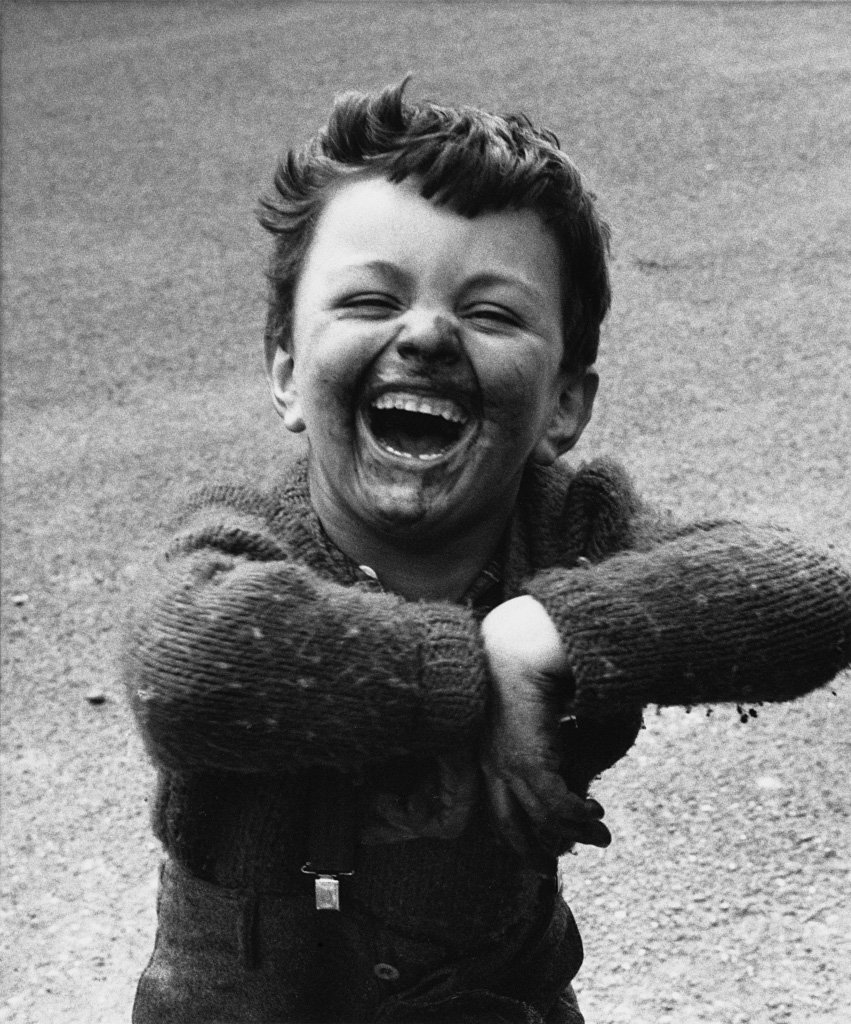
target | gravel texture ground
[{"x": 135, "y": 140}]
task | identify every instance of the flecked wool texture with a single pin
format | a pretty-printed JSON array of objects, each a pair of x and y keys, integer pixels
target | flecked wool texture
[{"x": 261, "y": 652}]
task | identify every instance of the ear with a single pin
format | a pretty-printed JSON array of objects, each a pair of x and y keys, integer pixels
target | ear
[
  {"x": 280, "y": 371},
  {"x": 576, "y": 395}
]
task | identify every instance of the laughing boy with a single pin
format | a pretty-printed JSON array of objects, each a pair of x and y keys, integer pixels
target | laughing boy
[{"x": 377, "y": 694}]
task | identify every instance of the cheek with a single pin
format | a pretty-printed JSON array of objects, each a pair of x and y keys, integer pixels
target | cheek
[
  {"x": 328, "y": 380},
  {"x": 329, "y": 410},
  {"x": 520, "y": 397}
]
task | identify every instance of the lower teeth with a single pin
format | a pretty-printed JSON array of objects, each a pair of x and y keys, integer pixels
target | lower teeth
[{"x": 408, "y": 455}]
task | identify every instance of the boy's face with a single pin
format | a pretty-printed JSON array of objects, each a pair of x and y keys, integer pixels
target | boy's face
[{"x": 425, "y": 359}]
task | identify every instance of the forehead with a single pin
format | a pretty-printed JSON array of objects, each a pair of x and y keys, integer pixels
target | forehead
[{"x": 372, "y": 220}]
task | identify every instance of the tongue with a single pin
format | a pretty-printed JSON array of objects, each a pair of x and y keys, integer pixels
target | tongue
[{"x": 414, "y": 433}]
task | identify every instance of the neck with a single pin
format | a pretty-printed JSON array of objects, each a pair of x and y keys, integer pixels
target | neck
[
  {"x": 415, "y": 564},
  {"x": 443, "y": 572}
]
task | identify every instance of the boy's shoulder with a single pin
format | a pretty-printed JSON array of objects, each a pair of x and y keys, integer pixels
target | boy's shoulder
[
  {"x": 590, "y": 510},
  {"x": 270, "y": 502},
  {"x": 600, "y": 484},
  {"x": 235, "y": 506},
  {"x": 266, "y": 522}
]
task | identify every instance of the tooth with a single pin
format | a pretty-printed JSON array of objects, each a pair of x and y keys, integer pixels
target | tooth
[{"x": 446, "y": 408}]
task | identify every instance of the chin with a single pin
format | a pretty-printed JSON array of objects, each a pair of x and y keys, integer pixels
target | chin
[{"x": 402, "y": 512}]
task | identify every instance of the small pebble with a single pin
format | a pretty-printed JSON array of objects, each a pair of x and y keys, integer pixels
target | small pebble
[
  {"x": 96, "y": 697},
  {"x": 20, "y": 599}
]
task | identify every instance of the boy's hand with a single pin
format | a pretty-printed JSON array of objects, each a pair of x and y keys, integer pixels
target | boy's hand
[{"x": 530, "y": 681}]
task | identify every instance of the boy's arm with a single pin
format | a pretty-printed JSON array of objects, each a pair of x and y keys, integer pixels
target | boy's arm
[
  {"x": 686, "y": 614},
  {"x": 712, "y": 612},
  {"x": 243, "y": 660}
]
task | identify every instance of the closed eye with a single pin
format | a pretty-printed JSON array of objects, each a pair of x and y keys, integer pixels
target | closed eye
[
  {"x": 492, "y": 317},
  {"x": 371, "y": 305}
]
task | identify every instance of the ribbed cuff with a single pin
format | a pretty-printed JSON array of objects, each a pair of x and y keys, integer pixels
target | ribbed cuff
[
  {"x": 612, "y": 660},
  {"x": 453, "y": 676}
]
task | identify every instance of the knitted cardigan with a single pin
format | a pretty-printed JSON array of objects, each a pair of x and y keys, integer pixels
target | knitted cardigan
[{"x": 262, "y": 651}]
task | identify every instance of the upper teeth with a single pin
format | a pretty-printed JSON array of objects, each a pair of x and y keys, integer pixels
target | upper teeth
[{"x": 443, "y": 407}]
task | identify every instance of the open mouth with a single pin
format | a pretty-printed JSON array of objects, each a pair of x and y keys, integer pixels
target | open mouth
[{"x": 414, "y": 426}]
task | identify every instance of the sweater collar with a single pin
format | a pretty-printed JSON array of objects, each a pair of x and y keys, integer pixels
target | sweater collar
[
  {"x": 311, "y": 544},
  {"x": 530, "y": 541}
]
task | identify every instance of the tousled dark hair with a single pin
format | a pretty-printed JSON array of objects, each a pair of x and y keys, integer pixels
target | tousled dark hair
[{"x": 466, "y": 159}]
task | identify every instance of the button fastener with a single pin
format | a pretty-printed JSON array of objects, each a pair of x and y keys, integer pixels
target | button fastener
[{"x": 386, "y": 972}]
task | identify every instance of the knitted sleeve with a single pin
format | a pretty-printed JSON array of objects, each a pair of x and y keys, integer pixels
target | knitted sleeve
[
  {"x": 244, "y": 660},
  {"x": 686, "y": 614}
]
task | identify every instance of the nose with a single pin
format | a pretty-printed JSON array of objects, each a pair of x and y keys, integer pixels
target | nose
[{"x": 429, "y": 337}]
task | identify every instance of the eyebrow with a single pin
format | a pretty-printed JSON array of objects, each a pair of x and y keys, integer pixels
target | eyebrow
[{"x": 381, "y": 266}]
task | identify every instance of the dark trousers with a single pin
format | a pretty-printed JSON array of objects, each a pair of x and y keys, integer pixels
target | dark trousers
[{"x": 224, "y": 956}]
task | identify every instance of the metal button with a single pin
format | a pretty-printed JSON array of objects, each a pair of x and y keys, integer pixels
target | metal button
[{"x": 386, "y": 972}]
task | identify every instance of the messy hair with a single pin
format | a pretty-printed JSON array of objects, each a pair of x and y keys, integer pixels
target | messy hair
[{"x": 463, "y": 158}]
